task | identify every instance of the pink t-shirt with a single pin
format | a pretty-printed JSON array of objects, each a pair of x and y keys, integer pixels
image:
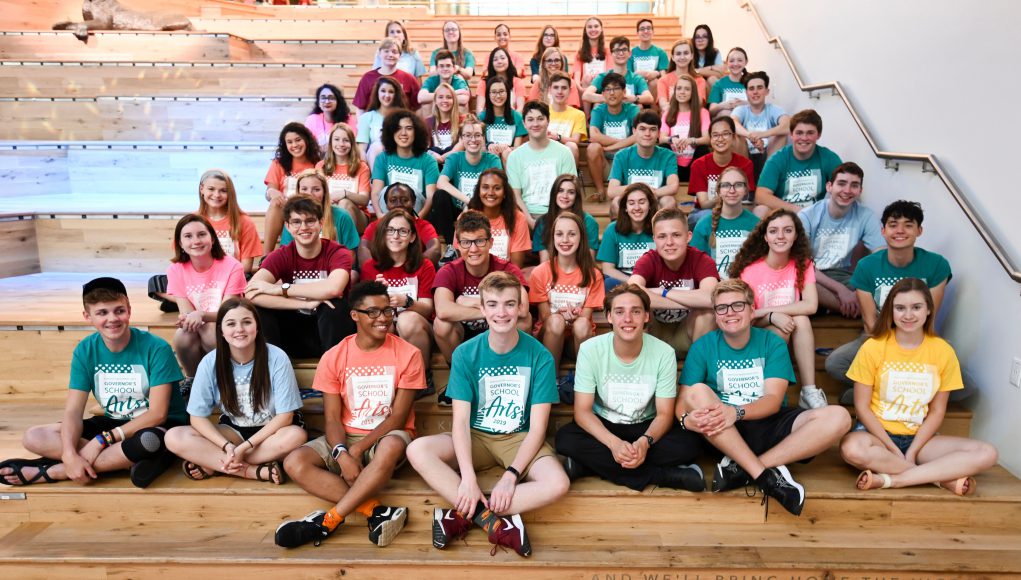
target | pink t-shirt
[
  {"x": 504, "y": 244},
  {"x": 681, "y": 127},
  {"x": 775, "y": 287},
  {"x": 206, "y": 290},
  {"x": 249, "y": 246},
  {"x": 367, "y": 382},
  {"x": 665, "y": 86},
  {"x": 279, "y": 179},
  {"x": 320, "y": 127},
  {"x": 418, "y": 284}
]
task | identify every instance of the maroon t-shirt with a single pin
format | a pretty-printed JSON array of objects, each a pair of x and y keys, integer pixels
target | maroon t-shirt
[
  {"x": 287, "y": 266},
  {"x": 426, "y": 232},
  {"x": 364, "y": 92},
  {"x": 704, "y": 171},
  {"x": 456, "y": 278},
  {"x": 697, "y": 266}
]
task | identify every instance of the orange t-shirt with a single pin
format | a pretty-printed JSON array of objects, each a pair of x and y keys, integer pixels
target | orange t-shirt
[
  {"x": 567, "y": 292},
  {"x": 341, "y": 180},
  {"x": 367, "y": 382},
  {"x": 503, "y": 243},
  {"x": 278, "y": 179},
  {"x": 249, "y": 246},
  {"x": 665, "y": 86}
]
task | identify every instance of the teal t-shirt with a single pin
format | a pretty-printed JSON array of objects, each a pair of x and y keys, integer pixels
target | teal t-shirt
[
  {"x": 626, "y": 393},
  {"x": 730, "y": 235},
  {"x": 469, "y": 58},
  {"x": 738, "y": 377},
  {"x": 645, "y": 60},
  {"x": 630, "y": 167},
  {"x": 120, "y": 381},
  {"x": 464, "y": 175},
  {"x": 533, "y": 172},
  {"x": 623, "y": 251},
  {"x": 591, "y": 232},
  {"x": 616, "y": 126},
  {"x": 498, "y": 131},
  {"x": 416, "y": 172},
  {"x": 726, "y": 89},
  {"x": 502, "y": 387},
  {"x": 347, "y": 233},
  {"x": 799, "y": 182},
  {"x": 432, "y": 83},
  {"x": 634, "y": 85},
  {"x": 876, "y": 275}
]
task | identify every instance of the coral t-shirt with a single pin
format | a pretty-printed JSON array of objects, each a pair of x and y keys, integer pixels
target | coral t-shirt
[
  {"x": 775, "y": 287},
  {"x": 341, "y": 181},
  {"x": 504, "y": 243},
  {"x": 567, "y": 293},
  {"x": 249, "y": 246},
  {"x": 283, "y": 182}
]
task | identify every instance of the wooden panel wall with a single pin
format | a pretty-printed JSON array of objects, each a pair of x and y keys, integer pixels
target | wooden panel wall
[{"x": 19, "y": 254}]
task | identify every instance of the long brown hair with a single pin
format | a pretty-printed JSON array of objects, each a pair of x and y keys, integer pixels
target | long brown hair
[
  {"x": 718, "y": 205},
  {"x": 755, "y": 247},
  {"x": 585, "y": 52},
  {"x": 623, "y": 226},
  {"x": 260, "y": 383},
  {"x": 180, "y": 256},
  {"x": 885, "y": 325},
  {"x": 234, "y": 212},
  {"x": 586, "y": 263},
  {"x": 694, "y": 106},
  {"x": 381, "y": 254},
  {"x": 459, "y": 54},
  {"x": 329, "y": 230},
  {"x": 406, "y": 45},
  {"x": 554, "y": 209},
  {"x": 540, "y": 48},
  {"x": 354, "y": 158},
  {"x": 544, "y": 75},
  {"x": 400, "y": 99}
]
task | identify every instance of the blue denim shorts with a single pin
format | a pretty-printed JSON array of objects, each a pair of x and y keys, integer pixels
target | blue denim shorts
[{"x": 903, "y": 442}]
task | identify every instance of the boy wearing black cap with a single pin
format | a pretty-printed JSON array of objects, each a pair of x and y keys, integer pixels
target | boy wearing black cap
[{"x": 134, "y": 376}]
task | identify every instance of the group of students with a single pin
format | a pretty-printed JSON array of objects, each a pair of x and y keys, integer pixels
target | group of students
[{"x": 360, "y": 280}]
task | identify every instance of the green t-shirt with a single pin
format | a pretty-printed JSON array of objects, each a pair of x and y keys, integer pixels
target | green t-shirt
[
  {"x": 630, "y": 167},
  {"x": 634, "y": 85},
  {"x": 416, "y": 172},
  {"x": 498, "y": 131},
  {"x": 726, "y": 89},
  {"x": 502, "y": 387},
  {"x": 623, "y": 251},
  {"x": 876, "y": 275},
  {"x": 432, "y": 83},
  {"x": 469, "y": 58},
  {"x": 347, "y": 234},
  {"x": 799, "y": 182},
  {"x": 591, "y": 232},
  {"x": 120, "y": 381},
  {"x": 730, "y": 234},
  {"x": 644, "y": 60},
  {"x": 533, "y": 172},
  {"x": 738, "y": 377},
  {"x": 464, "y": 175},
  {"x": 626, "y": 393},
  {"x": 616, "y": 126}
]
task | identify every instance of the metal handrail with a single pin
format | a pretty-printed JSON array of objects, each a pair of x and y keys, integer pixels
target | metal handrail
[{"x": 929, "y": 162}]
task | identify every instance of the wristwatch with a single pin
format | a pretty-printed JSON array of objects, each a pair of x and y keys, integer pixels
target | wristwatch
[
  {"x": 284, "y": 288},
  {"x": 409, "y": 301},
  {"x": 337, "y": 450},
  {"x": 649, "y": 439},
  {"x": 740, "y": 412}
]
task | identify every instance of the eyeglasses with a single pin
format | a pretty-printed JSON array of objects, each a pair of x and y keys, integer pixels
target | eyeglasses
[
  {"x": 502, "y": 93},
  {"x": 309, "y": 223},
  {"x": 399, "y": 232},
  {"x": 549, "y": 35},
  {"x": 726, "y": 135},
  {"x": 374, "y": 313},
  {"x": 553, "y": 60},
  {"x": 722, "y": 309},
  {"x": 467, "y": 244},
  {"x": 451, "y": 29},
  {"x": 701, "y": 37},
  {"x": 327, "y": 98},
  {"x": 471, "y": 136},
  {"x": 620, "y": 50},
  {"x": 728, "y": 186},
  {"x": 612, "y": 89}
]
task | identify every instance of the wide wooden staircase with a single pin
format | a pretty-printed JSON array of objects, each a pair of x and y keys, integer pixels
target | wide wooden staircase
[{"x": 102, "y": 147}]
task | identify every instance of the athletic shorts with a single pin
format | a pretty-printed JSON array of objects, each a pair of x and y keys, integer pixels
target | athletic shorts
[
  {"x": 761, "y": 435},
  {"x": 246, "y": 432}
]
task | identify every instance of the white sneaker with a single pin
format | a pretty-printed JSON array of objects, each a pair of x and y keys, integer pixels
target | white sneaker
[{"x": 812, "y": 398}]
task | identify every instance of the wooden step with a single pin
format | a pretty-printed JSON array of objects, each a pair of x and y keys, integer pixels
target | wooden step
[{"x": 125, "y": 46}]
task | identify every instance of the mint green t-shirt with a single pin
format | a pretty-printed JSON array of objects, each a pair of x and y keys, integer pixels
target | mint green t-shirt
[
  {"x": 616, "y": 126},
  {"x": 646, "y": 60},
  {"x": 738, "y": 377},
  {"x": 432, "y": 83},
  {"x": 876, "y": 275},
  {"x": 464, "y": 176},
  {"x": 630, "y": 167},
  {"x": 347, "y": 234},
  {"x": 730, "y": 235},
  {"x": 623, "y": 251},
  {"x": 498, "y": 131},
  {"x": 795, "y": 181},
  {"x": 416, "y": 172},
  {"x": 502, "y": 387},
  {"x": 120, "y": 381},
  {"x": 533, "y": 172},
  {"x": 626, "y": 393}
]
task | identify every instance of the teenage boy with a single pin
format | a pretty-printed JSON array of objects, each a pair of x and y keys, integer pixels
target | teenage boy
[
  {"x": 299, "y": 289},
  {"x": 795, "y": 177},
  {"x": 706, "y": 170},
  {"x": 836, "y": 226},
  {"x": 462, "y": 169},
  {"x": 368, "y": 382},
  {"x": 679, "y": 280},
  {"x": 566, "y": 123},
  {"x": 763, "y": 126},
  {"x": 645, "y": 162},
  {"x": 877, "y": 273},
  {"x": 609, "y": 130},
  {"x": 503, "y": 385},
  {"x": 625, "y": 391},
  {"x": 445, "y": 73},
  {"x": 400, "y": 195},
  {"x": 733, "y": 391},
  {"x": 534, "y": 166},
  {"x": 134, "y": 377},
  {"x": 636, "y": 89},
  {"x": 648, "y": 60}
]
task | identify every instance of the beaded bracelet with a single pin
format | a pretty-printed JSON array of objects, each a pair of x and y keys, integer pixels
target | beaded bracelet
[{"x": 102, "y": 441}]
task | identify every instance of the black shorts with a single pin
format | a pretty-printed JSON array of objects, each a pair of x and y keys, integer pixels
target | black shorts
[
  {"x": 761, "y": 435},
  {"x": 247, "y": 432},
  {"x": 95, "y": 425}
]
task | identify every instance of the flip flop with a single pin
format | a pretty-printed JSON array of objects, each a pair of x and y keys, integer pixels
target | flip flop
[
  {"x": 961, "y": 486},
  {"x": 16, "y": 465},
  {"x": 274, "y": 469},
  {"x": 870, "y": 480},
  {"x": 190, "y": 469}
]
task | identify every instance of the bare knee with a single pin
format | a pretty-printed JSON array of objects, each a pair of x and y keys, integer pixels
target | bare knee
[
  {"x": 298, "y": 463},
  {"x": 987, "y": 455},
  {"x": 854, "y": 451},
  {"x": 36, "y": 438},
  {"x": 555, "y": 325}
]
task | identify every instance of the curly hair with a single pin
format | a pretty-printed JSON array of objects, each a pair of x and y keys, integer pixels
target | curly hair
[
  {"x": 756, "y": 248},
  {"x": 508, "y": 208},
  {"x": 284, "y": 157}
]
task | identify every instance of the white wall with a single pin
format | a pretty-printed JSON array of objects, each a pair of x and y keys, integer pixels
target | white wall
[{"x": 936, "y": 77}]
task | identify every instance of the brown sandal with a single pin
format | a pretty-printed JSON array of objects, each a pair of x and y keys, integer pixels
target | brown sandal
[
  {"x": 276, "y": 474},
  {"x": 195, "y": 472},
  {"x": 961, "y": 486}
]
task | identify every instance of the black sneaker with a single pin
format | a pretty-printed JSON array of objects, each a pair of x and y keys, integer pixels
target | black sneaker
[
  {"x": 779, "y": 484},
  {"x": 443, "y": 400},
  {"x": 729, "y": 475},
  {"x": 687, "y": 477},
  {"x": 300, "y": 532},
  {"x": 574, "y": 469},
  {"x": 430, "y": 386},
  {"x": 448, "y": 526},
  {"x": 385, "y": 523}
]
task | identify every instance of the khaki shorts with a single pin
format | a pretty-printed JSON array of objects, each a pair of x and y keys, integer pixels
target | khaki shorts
[
  {"x": 840, "y": 275},
  {"x": 500, "y": 450},
  {"x": 676, "y": 334},
  {"x": 322, "y": 448}
]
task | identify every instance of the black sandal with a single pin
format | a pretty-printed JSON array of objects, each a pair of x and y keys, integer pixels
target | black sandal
[
  {"x": 188, "y": 468},
  {"x": 16, "y": 465},
  {"x": 276, "y": 474}
]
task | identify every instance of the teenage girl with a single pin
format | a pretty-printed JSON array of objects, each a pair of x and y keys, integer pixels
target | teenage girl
[
  {"x": 629, "y": 237},
  {"x": 501, "y": 64},
  {"x": 722, "y": 232},
  {"x": 386, "y": 98},
  {"x": 505, "y": 129},
  {"x": 347, "y": 175},
  {"x": 565, "y": 195},
  {"x": 336, "y": 224},
  {"x": 410, "y": 61},
  {"x": 297, "y": 151},
  {"x": 708, "y": 60},
  {"x": 330, "y": 108},
  {"x": 682, "y": 62},
  {"x": 549, "y": 38},
  {"x": 553, "y": 60},
  {"x": 503, "y": 40},
  {"x": 591, "y": 59},
  {"x": 509, "y": 228},
  {"x": 464, "y": 60},
  {"x": 685, "y": 125},
  {"x": 729, "y": 91},
  {"x": 218, "y": 203},
  {"x": 444, "y": 124}
]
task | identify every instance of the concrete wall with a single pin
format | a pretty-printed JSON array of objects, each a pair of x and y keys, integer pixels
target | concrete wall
[{"x": 934, "y": 77}]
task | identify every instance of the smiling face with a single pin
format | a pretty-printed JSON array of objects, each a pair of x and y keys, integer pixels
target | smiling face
[
  {"x": 721, "y": 138},
  {"x": 733, "y": 323},
  {"x": 736, "y": 62},
  {"x": 500, "y": 307},
  {"x": 399, "y": 234},
  {"x": 341, "y": 144},
  {"x": 395, "y": 32},
  {"x": 295, "y": 145},
  {"x": 327, "y": 101},
  {"x": 910, "y": 311},
  {"x": 386, "y": 94},
  {"x": 445, "y": 68},
  {"x": 671, "y": 237},
  {"x": 757, "y": 92},
  {"x": 377, "y": 328},
  {"x": 400, "y": 197},
  {"x": 566, "y": 194},
  {"x": 304, "y": 228},
  {"x": 312, "y": 187},
  {"x": 682, "y": 56},
  {"x": 474, "y": 255},
  {"x": 214, "y": 192},
  {"x": 637, "y": 206},
  {"x": 733, "y": 196},
  {"x": 803, "y": 138},
  {"x": 451, "y": 34},
  {"x": 498, "y": 94},
  {"x": 566, "y": 237},
  {"x": 901, "y": 233},
  {"x": 536, "y": 124},
  {"x": 239, "y": 328},
  {"x": 613, "y": 94},
  {"x": 621, "y": 53},
  {"x": 645, "y": 31},
  {"x": 559, "y": 90},
  {"x": 491, "y": 191},
  {"x": 444, "y": 100},
  {"x": 405, "y": 135},
  {"x": 473, "y": 139},
  {"x": 195, "y": 240},
  {"x": 844, "y": 190},
  {"x": 502, "y": 36},
  {"x": 628, "y": 317},
  {"x": 780, "y": 235},
  {"x": 500, "y": 60},
  {"x": 111, "y": 319},
  {"x": 593, "y": 28},
  {"x": 389, "y": 56},
  {"x": 549, "y": 37},
  {"x": 683, "y": 91}
]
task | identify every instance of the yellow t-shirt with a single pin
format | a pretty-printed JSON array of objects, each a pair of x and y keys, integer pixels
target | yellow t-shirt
[
  {"x": 568, "y": 122},
  {"x": 905, "y": 381}
]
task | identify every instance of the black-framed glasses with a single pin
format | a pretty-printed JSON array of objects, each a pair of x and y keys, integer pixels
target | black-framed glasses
[
  {"x": 374, "y": 313},
  {"x": 726, "y": 135},
  {"x": 739, "y": 306},
  {"x": 466, "y": 244},
  {"x": 309, "y": 223},
  {"x": 726, "y": 185},
  {"x": 399, "y": 232}
]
